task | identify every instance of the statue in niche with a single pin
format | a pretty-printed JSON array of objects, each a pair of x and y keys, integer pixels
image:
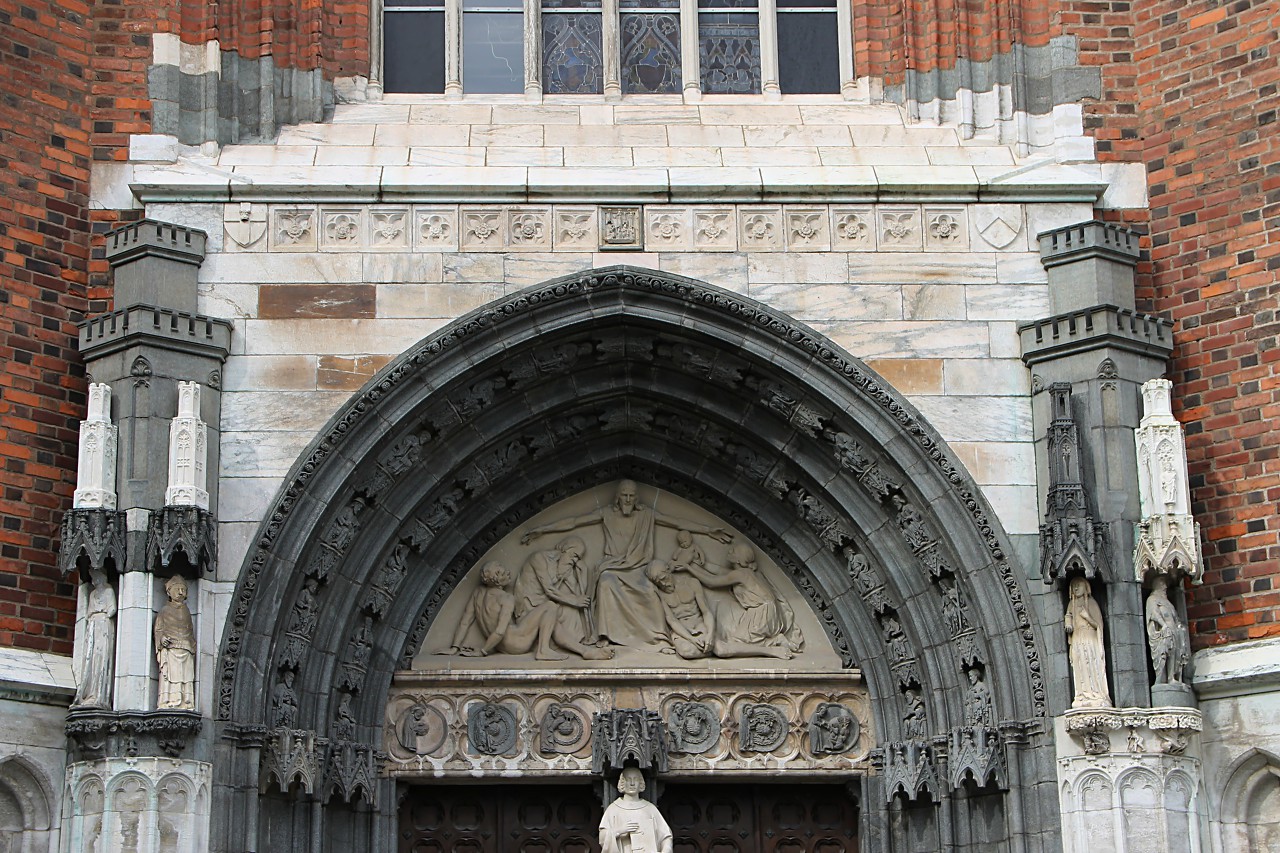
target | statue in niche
[
  {"x": 100, "y": 644},
  {"x": 557, "y": 577},
  {"x": 633, "y": 825},
  {"x": 492, "y": 609},
  {"x": 762, "y": 623},
  {"x": 413, "y": 726},
  {"x": 914, "y": 720},
  {"x": 978, "y": 704},
  {"x": 304, "y": 611},
  {"x": 1085, "y": 636},
  {"x": 175, "y": 638},
  {"x": 625, "y": 609},
  {"x": 899, "y": 647},
  {"x": 284, "y": 702},
  {"x": 1166, "y": 634},
  {"x": 344, "y": 720},
  {"x": 952, "y": 607}
]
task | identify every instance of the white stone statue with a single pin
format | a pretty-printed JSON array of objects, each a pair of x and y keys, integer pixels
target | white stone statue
[
  {"x": 1166, "y": 634},
  {"x": 100, "y": 644},
  {"x": 633, "y": 825},
  {"x": 1085, "y": 636},
  {"x": 175, "y": 638},
  {"x": 625, "y": 608}
]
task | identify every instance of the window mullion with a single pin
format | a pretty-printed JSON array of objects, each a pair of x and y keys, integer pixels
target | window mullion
[
  {"x": 453, "y": 48},
  {"x": 611, "y": 36},
  {"x": 769, "y": 49},
  {"x": 690, "y": 66},
  {"x": 844, "y": 28},
  {"x": 533, "y": 50}
]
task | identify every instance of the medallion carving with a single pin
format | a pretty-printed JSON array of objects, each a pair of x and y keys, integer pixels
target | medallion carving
[
  {"x": 761, "y": 728},
  {"x": 694, "y": 727},
  {"x": 491, "y": 728}
]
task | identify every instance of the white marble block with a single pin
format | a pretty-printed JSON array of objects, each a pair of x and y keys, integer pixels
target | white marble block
[
  {"x": 1168, "y": 537},
  {"x": 188, "y": 452},
  {"x": 96, "y": 476}
]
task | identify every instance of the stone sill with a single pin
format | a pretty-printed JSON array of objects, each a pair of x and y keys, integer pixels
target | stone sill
[
  {"x": 1238, "y": 669},
  {"x": 196, "y": 181}
]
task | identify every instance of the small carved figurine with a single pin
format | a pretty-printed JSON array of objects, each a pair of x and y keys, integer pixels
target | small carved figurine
[
  {"x": 175, "y": 639},
  {"x": 1166, "y": 635},
  {"x": 978, "y": 704},
  {"x": 1085, "y": 635},
  {"x": 284, "y": 702},
  {"x": 100, "y": 644}
]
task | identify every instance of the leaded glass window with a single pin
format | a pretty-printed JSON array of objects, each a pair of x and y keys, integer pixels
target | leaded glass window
[
  {"x": 492, "y": 46},
  {"x": 808, "y": 46},
  {"x": 729, "y": 46},
  {"x": 572, "y": 47},
  {"x": 650, "y": 47},
  {"x": 414, "y": 46}
]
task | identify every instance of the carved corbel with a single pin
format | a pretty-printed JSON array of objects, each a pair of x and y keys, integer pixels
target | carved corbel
[
  {"x": 909, "y": 769},
  {"x": 97, "y": 535},
  {"x": 184, "y": 534},
  {"x": 352, "y": 768},
  {"x": 977, "y": 752},
  {"x": 625, "y": 736},
  {"x": 292, "y": 756}
]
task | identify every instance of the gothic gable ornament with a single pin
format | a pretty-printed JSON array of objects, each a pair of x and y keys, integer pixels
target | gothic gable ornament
[
  {"x": 1070, "y": 542},
  {"x": 1168, "y": 541}
]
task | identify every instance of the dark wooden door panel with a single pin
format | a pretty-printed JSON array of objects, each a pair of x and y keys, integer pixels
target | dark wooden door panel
[{"x": 720, "y": 818}]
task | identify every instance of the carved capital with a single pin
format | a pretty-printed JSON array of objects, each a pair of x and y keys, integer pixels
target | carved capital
[
  {"x": 96, "y": 733},
  {"x": 182, "y": 530},
  {"x": 95, "y": 534},
  {"x": 909, "y": 768},
  {"x": 352, "y": 768},
  {"x": 976, "y": 751},
  {"x": 292, "y": 756}
]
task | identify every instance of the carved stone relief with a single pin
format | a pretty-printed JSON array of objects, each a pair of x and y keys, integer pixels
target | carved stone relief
[
  {"x": 631, "y": 573},
  {"x": 694, "y": 727},
  {"x": 491, "y": 728},
  {"x": 832, "y": 729},
  {"x": 761, "y": 727}
]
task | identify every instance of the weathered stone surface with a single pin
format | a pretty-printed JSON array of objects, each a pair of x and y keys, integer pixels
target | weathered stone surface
[
  {"x": 348, "y": 373},
  {"x": 311, "y": 301}
]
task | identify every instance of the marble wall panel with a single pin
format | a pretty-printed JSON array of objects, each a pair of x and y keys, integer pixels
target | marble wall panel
[{"x": 438, "y": 300}]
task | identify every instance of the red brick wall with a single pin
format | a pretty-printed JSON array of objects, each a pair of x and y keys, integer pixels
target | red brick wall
[
  {"x": 1207, "y": 78},
  {"x": 44, "y": 247}
]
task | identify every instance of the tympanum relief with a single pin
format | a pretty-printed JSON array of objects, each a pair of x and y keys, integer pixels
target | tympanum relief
[{"x": 632, "y": 574}]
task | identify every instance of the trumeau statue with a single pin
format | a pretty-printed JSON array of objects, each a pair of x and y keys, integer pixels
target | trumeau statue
[
  {"x": 1166, "y": 634},
  {"x": 175, "y": 639},
  {"x": 606, "y": 589},
  {"x": 633, "y": 825},
  {"x": 100, "y": 644},
  {"x": 1085, "y": 636}
]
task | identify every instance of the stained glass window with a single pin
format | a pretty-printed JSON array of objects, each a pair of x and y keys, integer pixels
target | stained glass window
[
  {"x": 729, "y": 46},
  {"x": 413, "y": 45},
  {"x": 492, "y": 46},
  {"x": 808, "y": 49},
  {"x": 650, "y": 47},
  {"x": 572, "y": 47}
]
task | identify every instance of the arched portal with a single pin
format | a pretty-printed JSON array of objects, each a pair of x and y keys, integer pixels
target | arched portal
[{"x": 627, "y": 373}]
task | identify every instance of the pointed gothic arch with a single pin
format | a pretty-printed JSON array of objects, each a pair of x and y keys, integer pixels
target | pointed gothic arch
[{"x": 623, "y": 372}]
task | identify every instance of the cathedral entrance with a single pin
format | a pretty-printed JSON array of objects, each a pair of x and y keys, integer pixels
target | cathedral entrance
[{"x": 705, "y": 818}]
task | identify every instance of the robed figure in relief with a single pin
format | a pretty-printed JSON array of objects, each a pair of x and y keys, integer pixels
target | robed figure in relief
[
  {"x": 175, "y": 638},
  {"x": 633, "y": 825},
  {"x": 1085, "y": 635},
  {"x": 100, "y": 644}
]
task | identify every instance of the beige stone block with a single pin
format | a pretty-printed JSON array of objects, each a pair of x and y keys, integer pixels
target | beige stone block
[
  {"x": 446, "y": 156},
  {"x": 362, "y": 155},
  {"x": 595, "y": 114},
  {"x": 228, "y": 300},
  {"x": 292, "y": 228},
  {"x": 262, "y": 411},
  {"x": 575, "y": 228},
  {"x": 708, "y": 183},
  {"x": 889, "y": 136},
  {"x": 987, "y": 155},
  {"x": 274, "y": 372},
  {"x": 924, "y": 268},
  {"x": 1048, "y": 216},
  {"x": 999, "y": 462},
  {"x": 910, "y": 375},
  {"x": 267, "y": 155},
  {"x": 910, "y": 155},
  {"x": 793, "y": 268},
  {"x": 342, "y": 228},
  {"x": 706, "y": 136},
  {"x": 529, "y": 228},
  {"x": 533, "y": 114},
  {"x": 726, "y": 270},
  {"x": 808, "y": 228},
  {"x": 482, "y": 229},
  {"x": 648, "y": 260},
  {"x": 830, "y": 302},
  {"x": 986, "y": 376},
  {"x": 435, "y": 228},
  {"x": 261, "y": 454},
  {"x": 946, "y": 228},
  {"x": 909, "y": 339},
  {"x": 402, "y": 268},
  {"x": 587, "y": 155},
  {"x": 326, "y": 134},
  {"x": 234, "y": 541},
  {"x": 933, "y": 302},
  {"x": 444, "y": 135},
  {"x": 794, "y": 156},
  {"x": 1007, "y": 302},
  {"x": 644, "y": 114},
  {"x": 1004, "y": 339},
  {"x": 769, "y": 136},
  {"x": 348, "y": 372},
  {"x": 328, "y": 337},
  {"x": 371, "y": 113},
  {"x": 854, "y": 228},
  {"x": 760, "y": 229},
  {"x": 687, "y": 156},
  {"x": 444, "y": 301},
  {"x": 1020, "y": 268},
  {"x": 715, "y": 229},
  {"x": 859, "y": 115},
  {"x": 668, "y": 229},
  {"x": 504, "y": 156},
  {"x": 512, "y": 135},
  {"x": 450, "y": 114},
  {"x": 978, "y": 418},
  {"x": 634, "y": 136},
  {"x": 281, "y": 268},
  {"x": 899, "y": 228},
  {"x": 469, "y": 267},
  {"x": 744, "y": 114},
  {"x": 998, "y": 226},
  {"x": 521, "y": 270},
  {"x": 1015, "y": 506}
]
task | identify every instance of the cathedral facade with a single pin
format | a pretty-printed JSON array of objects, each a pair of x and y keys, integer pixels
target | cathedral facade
[{"x": 855, "y": 423}]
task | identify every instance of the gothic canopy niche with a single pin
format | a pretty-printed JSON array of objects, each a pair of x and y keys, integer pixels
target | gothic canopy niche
[{"x": 704, "y": 398}]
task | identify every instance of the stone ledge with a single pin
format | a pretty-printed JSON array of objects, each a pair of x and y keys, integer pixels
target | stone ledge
[
  {"x": 160, "y": 327},
  {"x": 1238, "y": 669},
  {"x": 1093, "y": 328}
]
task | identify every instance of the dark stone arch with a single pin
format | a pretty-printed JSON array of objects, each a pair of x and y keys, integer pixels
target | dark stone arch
[{"x": 665, "y": 380}]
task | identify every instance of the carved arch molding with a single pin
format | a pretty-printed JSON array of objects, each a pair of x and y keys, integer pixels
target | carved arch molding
[{"x": 617, "y": 373}]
